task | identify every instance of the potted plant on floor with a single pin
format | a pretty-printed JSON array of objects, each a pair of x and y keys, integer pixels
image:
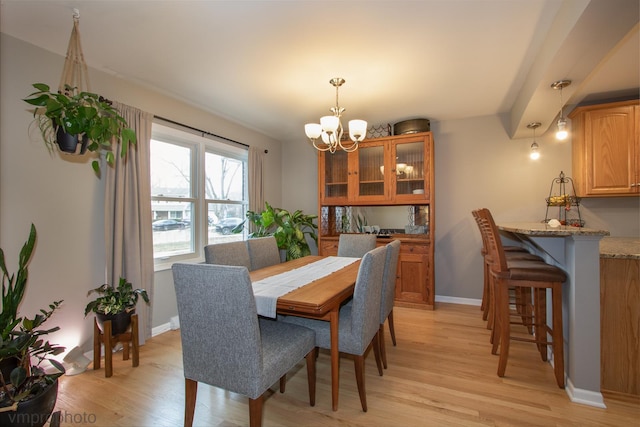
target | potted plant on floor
[
  {"x": 289, "y": 229},
  {"x": 115, "y": 304},
  {"x": 65, "y": 119},
  {"x": 28, "y": 393}
]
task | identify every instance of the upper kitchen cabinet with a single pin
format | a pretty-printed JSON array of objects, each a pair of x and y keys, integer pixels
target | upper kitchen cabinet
[
  {"x": 606, "y": 149},
  {"x": 390, "y": 170}
]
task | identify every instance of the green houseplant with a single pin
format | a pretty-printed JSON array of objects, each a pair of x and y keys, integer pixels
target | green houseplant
[
  {"x": 289, "y": 229},
  {"x": 27, "y": 391},
  {"x": 116, "y": 304},
  {"x": 65, "y": 118}
]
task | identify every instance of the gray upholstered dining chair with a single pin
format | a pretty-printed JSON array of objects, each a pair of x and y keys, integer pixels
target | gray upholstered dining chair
[
  {"x": 359, "y": 321},
  {"x": 263, "y": 252},
  {"x": 224, "y": 344},
  {"x": 356, "y": 245},
  {"x": 388, "y": 295},
  {"x": 229, "y": 253}
]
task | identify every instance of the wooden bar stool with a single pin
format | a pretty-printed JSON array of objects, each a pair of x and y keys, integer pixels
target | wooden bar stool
[
  {"x": 104, "y": 337},
  {"x": 527, "y": 276},
  {"x": 511, "y": 253}
]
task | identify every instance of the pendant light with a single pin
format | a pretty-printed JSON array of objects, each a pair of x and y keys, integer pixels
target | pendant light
[
  {"x": 535, "y": 148},
  {"x": 562, "y": 132}
]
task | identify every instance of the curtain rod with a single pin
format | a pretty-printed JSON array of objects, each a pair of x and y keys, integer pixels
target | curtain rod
[{"x": 204, "y": 132}]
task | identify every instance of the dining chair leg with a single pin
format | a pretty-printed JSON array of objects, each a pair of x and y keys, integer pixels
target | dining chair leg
[
  {"x": 255, "y": 411},
  {"x": 376, "y": 351},
  {"x": 190, "y": 393},
  {"x": 392, "y": 329},
  {"x": 311, "y": 376},
  {"x": 283, "y": 383},
  {"x": 358, "y": 362},
  {"x": 383, "y": 350}
]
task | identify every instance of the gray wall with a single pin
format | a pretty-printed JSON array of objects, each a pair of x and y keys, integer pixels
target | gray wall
[
  {"x": 64, "y": 199},
  {"x": 477, "y": 165}
]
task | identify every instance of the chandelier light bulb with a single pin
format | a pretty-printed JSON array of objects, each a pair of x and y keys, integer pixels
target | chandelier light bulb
[{"x": 313, "y": 130}]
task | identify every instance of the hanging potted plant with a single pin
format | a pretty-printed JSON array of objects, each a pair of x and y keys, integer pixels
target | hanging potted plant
[
  {"x": 69, "y": 118},
  {"x": 28, "y": 393},
  {"x": 116, "y": 305},
  {"x": 289, "y": 229}
]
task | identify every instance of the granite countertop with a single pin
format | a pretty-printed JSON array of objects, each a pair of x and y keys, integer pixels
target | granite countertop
[
  {"x": 620, "y": 247},
  {"x": 544, "y": 229}
]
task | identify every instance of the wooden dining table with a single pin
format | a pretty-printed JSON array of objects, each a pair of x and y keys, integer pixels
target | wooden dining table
[{"x": 320, "y": 299}]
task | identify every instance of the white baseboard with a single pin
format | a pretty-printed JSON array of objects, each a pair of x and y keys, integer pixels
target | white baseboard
[
  {"x": 172, "y": 325},
  {"x": 160, "y": 329},
  {"x": 456, "y": 300},
  {"x": 584, "y": 397}
]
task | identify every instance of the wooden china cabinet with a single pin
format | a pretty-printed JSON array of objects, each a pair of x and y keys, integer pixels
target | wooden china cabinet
[
  {"x": 606, "y": 149},
  {"x": 390, "y": 171}
]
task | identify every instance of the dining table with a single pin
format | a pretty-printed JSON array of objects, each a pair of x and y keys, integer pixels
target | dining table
[{"x": 312, "y": 286}]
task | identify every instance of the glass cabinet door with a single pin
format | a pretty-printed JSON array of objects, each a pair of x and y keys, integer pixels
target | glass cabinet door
[
  {"x": 334, "y": 173},
  {"x": 370, "y": 172},
  {"x": 410, "y": 174}
]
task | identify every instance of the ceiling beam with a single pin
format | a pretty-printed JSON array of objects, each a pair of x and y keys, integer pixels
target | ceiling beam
[{"x": 579, "y": 40}]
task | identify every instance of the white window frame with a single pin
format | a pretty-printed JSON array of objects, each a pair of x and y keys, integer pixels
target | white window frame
[{"x": 200, "y": 144}]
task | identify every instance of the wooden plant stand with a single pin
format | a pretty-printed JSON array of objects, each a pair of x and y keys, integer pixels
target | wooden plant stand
[{"x": 100, "y": 337}]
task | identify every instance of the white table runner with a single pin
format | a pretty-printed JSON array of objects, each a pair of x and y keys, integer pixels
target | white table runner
[{"x": 268, "y": 290}]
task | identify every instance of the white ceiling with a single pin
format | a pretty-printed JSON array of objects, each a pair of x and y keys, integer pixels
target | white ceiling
[{"x": 267, "y": 64}]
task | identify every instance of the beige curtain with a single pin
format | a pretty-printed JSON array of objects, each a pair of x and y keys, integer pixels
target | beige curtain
[
  {"x": 256, "y": 184},
  {"x": 128, "y": 237}
]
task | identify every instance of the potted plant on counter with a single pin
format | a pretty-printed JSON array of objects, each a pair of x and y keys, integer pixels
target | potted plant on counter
[
  {"x": 289, "y": 229},
  {"x": 28, "y": 393},
  {"x": 65, "y": 119},
  {"x": 115, "y": 304}
]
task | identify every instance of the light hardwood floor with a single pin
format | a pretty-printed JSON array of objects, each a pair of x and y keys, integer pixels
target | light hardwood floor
[{"x": 441, "y": 373}]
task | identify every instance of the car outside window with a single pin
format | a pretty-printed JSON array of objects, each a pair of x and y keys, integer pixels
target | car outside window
[{"x": 198, "y": 193}]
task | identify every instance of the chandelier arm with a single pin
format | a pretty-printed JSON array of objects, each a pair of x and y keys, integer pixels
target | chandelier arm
[
  {"x": 320, "y": 148},
  {"x": 350, "y": 148}
]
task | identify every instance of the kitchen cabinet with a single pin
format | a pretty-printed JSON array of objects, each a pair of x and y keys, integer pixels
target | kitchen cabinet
[
  {"x": 606, "y": 149},
  {"x": 620, "y": 325},
  {"x": 382, "y": 171},
  {"x": 414, "y": 278},
  {"x": 391, "y": 171}
]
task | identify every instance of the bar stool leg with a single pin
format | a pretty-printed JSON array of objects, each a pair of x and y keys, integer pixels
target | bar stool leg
[
  {"x": 503, "y": 326},
  {"x": 485, "y": 292},
  {"x": 558, "y": 336}
]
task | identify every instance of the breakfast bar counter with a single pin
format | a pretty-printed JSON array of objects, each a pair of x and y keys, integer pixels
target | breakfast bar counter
[{"x": 577, "y": 251}]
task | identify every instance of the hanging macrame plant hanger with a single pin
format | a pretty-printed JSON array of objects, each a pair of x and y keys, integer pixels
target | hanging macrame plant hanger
[{"x": 74, "y": 73}]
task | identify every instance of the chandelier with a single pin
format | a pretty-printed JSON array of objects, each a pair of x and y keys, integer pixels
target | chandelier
[{"x": 330, "y": 131}]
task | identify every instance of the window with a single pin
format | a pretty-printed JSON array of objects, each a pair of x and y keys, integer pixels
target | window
[{"x": 198, "y": 193}]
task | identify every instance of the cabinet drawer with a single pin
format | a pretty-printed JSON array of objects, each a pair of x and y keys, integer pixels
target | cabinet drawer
[{"x": 410, "y": 248}]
